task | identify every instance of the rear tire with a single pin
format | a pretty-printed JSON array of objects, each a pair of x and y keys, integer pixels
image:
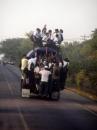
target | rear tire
[{"x": 55, "y": 95}]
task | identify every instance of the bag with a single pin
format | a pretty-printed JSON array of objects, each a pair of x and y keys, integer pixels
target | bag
[{"x": 25, "y": 92}]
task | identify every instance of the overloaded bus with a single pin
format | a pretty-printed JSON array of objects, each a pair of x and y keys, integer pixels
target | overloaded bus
[{"x": 44, "y": 60}]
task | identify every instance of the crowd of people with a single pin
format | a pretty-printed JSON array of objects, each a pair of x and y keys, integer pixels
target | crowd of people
[
  {"x": 44, "y": 73},
  {"x": 44, "y": 37}
]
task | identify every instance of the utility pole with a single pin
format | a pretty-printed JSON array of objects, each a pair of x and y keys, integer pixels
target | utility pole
[{"x": 84, "y": 37}]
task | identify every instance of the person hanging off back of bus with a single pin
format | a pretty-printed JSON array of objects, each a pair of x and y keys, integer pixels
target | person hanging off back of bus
[
  {"x": 37, "y": 75},
  {"x": 56, "y": 76},
  {"x": 24, "y": 70},
  {"x": 45, "y": 73},
  {"x": 64, "y": 72},
  {"x": 24, "y": 66},
  {"x": 31, "y": 76}
]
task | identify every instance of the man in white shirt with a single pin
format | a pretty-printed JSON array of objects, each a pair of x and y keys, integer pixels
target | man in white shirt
[{"x": 44, "y": 81}]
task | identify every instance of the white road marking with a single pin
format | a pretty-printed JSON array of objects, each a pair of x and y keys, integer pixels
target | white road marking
[
  {"x": 17, "y": 106},
  {"x": 22, "y": 117},
  {"x": 89, "y": 110}
]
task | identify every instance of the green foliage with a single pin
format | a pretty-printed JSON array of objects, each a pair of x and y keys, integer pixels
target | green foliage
[
  {"x": 15, "y": 48},
  {"x": 82, "y": 56},
  {"x": 87, "y": 82},
  {"x": 82, "y": 80},
  {"x": 83, "y": 63}
]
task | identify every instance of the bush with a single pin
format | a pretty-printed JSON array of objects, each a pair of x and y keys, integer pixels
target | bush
[
  {"x": 83, "y": 80},
  {"x": 93, "y": 80}
]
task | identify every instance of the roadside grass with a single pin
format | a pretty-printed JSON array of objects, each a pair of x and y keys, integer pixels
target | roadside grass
[{"x": 83, "y": 93}]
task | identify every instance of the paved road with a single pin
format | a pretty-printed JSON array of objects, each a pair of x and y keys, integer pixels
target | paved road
[{"x": 71, "y": 112}]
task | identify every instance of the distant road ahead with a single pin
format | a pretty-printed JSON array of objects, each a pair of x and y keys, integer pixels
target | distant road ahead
[{"x": 71, "y": 112}]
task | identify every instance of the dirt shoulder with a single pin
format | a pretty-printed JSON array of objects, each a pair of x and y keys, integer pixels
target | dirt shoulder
[{"x": 93, "y": 105}]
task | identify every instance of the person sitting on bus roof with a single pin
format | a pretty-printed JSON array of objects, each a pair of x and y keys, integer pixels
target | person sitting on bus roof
[
  {"x": 44, "y": 30},
  {"x": 45, "y": 39},
  {"x": 56, "y": 40},
  {"x": 38, "y": 36},
  {"x": 60, "y": 36},
  {"x": 50, "y": 37},
  {"x": 37, "y": 33}
]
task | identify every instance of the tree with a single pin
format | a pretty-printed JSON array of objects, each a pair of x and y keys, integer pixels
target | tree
[{"x": 15, "y": 48}]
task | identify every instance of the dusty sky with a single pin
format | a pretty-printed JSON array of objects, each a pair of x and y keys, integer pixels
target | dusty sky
[{"x": 75, "y": 17}]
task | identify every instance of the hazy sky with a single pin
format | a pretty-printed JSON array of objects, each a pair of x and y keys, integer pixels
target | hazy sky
[{"x": 75, "y": 17}]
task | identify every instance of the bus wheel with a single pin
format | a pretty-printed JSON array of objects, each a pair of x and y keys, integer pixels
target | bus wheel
[{"x": 55, "y": 95}]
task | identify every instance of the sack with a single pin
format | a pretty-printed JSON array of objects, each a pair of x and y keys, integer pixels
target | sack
[{"x": 25, "y": 92}]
